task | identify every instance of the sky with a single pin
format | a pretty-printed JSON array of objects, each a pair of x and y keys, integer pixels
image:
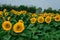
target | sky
[{"x": 55, "y": 4}]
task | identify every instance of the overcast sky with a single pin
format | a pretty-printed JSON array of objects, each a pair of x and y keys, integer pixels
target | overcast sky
[{"x": 55, "y": 4}]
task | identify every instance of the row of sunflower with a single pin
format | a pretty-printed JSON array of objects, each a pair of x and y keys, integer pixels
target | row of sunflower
[
  {"x": 23, "y": 25},
  {"x": 46, "y": 17}
]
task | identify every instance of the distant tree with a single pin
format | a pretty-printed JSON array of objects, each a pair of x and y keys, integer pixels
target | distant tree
[
  {"x": 22, "y": 7},
  {"x": 58, "y": 10},
  {"x": 54, "y": 11},
  {"x": 38, "y": 10},
  {"x": 31, "y": 9}
]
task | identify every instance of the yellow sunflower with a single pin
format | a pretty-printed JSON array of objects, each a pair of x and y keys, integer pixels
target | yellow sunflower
[
  {"x": 0, "y": 13},
  {"x": 3, "y": 18},
  {"x": 40, "y": 19},
  {"x": 20, "y": 21},
  {"x": 6, "y": 25},
  {"x": 23, "y": 11},
  {"x": 18, "y": 13},
  {"x": 57, "y": 18},
  {"x": 57, "y": 14},
  {"x": 8, "y": 18},
  {"x": 34, "y": 15},
  {"x": 18, "y": 27},
  {"x": 45, "y": 14},
  {"x": 33, "y": 20},
  {"x": 41, "y": 14},
  {"x": 14, "y": 11},
  {"x": 51, "y": 14},
  {"x": 48, "y": 19},
  {"x": 6, "y": 13},
  {"x": 4, "y": 10}
]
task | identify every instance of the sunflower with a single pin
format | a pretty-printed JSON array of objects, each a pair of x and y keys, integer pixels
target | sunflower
[
  {"x": 51, "y": 14},
  {"x": 6, "y": 25},
  {"x": 23, "y": 11},
  {"x": 57, "y": 18},
  {"x": 18, "y": 27},
  {"x": 29, "y": 15},
  {"x": 8, "y": 18},
  {"x": 40, "y": 19},
  {"x": 45, "y": 14},
  {"x": 34, "y": 15},
  {"x": 0, "y": 13},
  {"x": 48, "y": 19},
  {"x": 4, "y": 10},
  {"x": 3, "y": 18},
  {"x": 18, "y": 13},
  {"x": 6, "y": 13},
  {"x": 20, "y": 21},
  {"x": 41, "y": 14},
  {"x": 57, "y": 14},
  {"x": 33, "y": 20},
  {"x": 14, "y": 11}
]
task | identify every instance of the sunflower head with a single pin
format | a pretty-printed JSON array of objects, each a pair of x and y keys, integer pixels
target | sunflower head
[
  {"x": 51, "y": 14},
  {"x": 45, "y": 14},
  {"x": 14, "y": 11},
  {"x": 6, "y": 25},
  {"x": 0, "y": 13},
  {"x": 8, "y": 18},
  {"x": 21, "y": 21},
  {"x": 4, "y": 10},
  {"x": 57, "y": 14},
  {"x": 23, "y": 11},
  {"x": 33, "y": 20},
  {"x": 18, "y": 27},
  {"x": 57, "y": 18},
  {"x": 6, "y": 14},
  {"x": 40, "y": 19},
  {"x": 18, "y": 13},
  {"x": 48, "y": 19},
  {"x": 41, "y": 14},
  {"x": 34, "y": 15}
]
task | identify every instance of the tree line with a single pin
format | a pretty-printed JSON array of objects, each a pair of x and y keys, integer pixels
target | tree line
[{"x": 31, "y": 9}]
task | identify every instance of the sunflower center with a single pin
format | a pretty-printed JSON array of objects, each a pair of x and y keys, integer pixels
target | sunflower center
[
  {"x": 7, "y": 25},
  {"x": 40, "y": 20},
  {"x": 48, "y": 19},
  {"x": 57, "y": 18},
  {"x": 18, "y": 28}
]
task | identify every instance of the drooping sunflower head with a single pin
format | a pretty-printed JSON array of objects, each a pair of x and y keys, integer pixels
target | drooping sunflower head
[
  {"x": 23, "y": 11},
  {"x": 40, "y": 19},
  {"x": 8, "y": 18},
  {"x": 0, "y": 13},
  {"x": 33, "y": 20},
  {"x": 6, "y": 25},
  {"x": 21, "y": 21},
  {"x": 14, "y": 11},
  {"x": 4, "y": 10},
  {"x": 6, "y": 13},
  {"x": 18, "y": 27},
  {"x": 34, "y": 15},
  {"x": 48, "y": 19},
  {"x": 57, "y": 18},
  {"x": 18, "y": 13}
]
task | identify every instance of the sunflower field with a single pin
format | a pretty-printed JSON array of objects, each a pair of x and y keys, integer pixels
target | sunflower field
[{"x": 23, "y": 25}]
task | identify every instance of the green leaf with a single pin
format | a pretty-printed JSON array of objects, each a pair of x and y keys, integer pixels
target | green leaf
[
  {"x": 6, "y": 37},
  {"x": 35, "y": 37}
]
